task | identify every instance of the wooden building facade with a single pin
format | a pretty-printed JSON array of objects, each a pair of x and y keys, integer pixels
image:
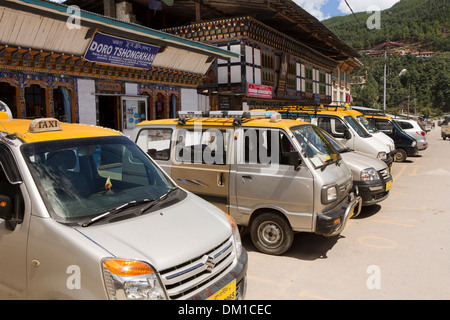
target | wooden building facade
[
  {"x": 44, "y": 71},
  {"x": 273, "y": 69},
  {"x": 286, "y": 56}
]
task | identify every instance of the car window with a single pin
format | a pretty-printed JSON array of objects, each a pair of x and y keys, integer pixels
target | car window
[
  {"x": 333, "y": 126},
  {"x": 156, "y": 142},
  {"x": 266, "y": 146},
  {"x": 405, "y": 125},
  {"x": 384, "y": 126},
  {"x": 202, "y": 146}
]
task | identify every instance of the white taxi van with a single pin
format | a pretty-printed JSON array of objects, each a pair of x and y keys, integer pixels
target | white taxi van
[
  {"x": 85, "y": 214},
  {"x": 275, "y": 176}
]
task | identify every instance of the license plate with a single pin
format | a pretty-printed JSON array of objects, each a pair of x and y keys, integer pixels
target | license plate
[
  {"x": 352, "y": 212},
  {"x": 226, "y": 293},
  {"x": 388, "y": 185}
]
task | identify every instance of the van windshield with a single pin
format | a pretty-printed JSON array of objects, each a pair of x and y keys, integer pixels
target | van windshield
[
  {"x": 314, "y": 144},
  {"x": 81, "y": 178},
  {"x": 357, "y": 127},
  {"x": 366, "y": 124}
]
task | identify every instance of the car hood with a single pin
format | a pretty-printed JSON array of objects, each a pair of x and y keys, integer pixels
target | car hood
[
  {"x": 357, "y": 161},
  {"x": 166, "y": 237}
]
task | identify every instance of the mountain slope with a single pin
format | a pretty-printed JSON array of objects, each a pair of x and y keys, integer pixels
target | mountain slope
[{"x": 419, "y": 21}]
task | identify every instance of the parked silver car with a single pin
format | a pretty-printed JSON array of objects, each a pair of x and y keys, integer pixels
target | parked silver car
[
  {"x": 371, "y": 176},
  {"x": 85, "y": 214},
  {"x": 414, "y": 129}
]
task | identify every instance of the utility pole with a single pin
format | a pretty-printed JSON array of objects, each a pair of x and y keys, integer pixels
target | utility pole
[
  {"x": 384, "y": 89},
  {"x": 409, "y": 95}
]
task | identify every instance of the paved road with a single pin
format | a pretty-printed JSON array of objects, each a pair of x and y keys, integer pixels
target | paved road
[{"x": 399, "y": 249}]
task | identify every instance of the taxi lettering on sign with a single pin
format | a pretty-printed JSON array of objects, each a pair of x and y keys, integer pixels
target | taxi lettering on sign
[{"x": 45, "y": 125}]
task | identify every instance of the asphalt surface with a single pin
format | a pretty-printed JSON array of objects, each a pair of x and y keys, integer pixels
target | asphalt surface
[{"x": 399, "y": 249}]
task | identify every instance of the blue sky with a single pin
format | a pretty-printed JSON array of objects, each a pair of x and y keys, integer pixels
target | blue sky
[{"x": 324, "y": 9}]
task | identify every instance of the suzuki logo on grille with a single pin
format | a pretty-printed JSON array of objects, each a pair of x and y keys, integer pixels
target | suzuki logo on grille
[{"x": 210, "y": 264}]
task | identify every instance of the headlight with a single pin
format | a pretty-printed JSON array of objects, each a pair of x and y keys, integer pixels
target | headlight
[
  {"x": 236, "y": 236},
  {"x": 414, "y": 143},
  {"x": 131, "y": 280},
  {"x": 329, "y": 194},
  {"x": 369, "y": 175},
  {"x": 382, "y": 156}
]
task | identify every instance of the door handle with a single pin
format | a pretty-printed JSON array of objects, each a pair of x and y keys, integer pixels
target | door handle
[
  {"x": 220, "y": 180},
  {"x": 246, "y": 178}
]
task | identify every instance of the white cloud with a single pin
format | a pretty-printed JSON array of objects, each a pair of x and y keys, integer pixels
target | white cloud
[
  {"x": 365, "y": 5},
  {"x": 314, "y": 7}
]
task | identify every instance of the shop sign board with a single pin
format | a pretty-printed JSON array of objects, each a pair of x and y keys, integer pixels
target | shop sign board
[
  {"x": 259, "y": 91},
  {"x": 120, "y": 52}
]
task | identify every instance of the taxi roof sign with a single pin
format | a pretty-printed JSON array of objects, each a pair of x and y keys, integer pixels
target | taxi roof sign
[{"x": 45, "y": 125}]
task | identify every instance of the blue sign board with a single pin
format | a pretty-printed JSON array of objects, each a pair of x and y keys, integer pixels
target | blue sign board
[{"x": 121, "y": 52}]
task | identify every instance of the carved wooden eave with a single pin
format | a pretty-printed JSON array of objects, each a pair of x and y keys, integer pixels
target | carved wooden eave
[
  {"x": 249, "y": 28},
  {"x": 283, "y": 15},
  {"x": 38, "y": 61},
  {"x": 35, "y": 36}
]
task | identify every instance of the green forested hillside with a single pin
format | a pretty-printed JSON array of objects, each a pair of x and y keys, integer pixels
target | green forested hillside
[
  {"x": 423, "y": 25},
  {"x": 427, "y": 21},
  {"x": 427, "y": 80}
]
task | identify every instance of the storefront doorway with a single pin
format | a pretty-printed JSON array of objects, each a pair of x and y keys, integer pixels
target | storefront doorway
[
  {"x": 36, "y": 102},
  {"x": 109, "y": 112},
  {"x": 8, "y": 96},
  {"x": 62, "y": 104}
]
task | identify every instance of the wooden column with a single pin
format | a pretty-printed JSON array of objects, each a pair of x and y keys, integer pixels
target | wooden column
[
  {"x": 109, "y": 7},
  {"x": 198, "y": 12}
]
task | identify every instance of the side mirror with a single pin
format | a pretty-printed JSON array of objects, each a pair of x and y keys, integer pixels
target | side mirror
[
  {"x": 347, "y": 134},
  {"x": 5, "y": 208},
  {"x": 295, "y": 160}
]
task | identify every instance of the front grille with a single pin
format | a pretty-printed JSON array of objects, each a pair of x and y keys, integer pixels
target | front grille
[
  {"x": 345, "y": 188},
  {"x": 198, "y": 272},
  {"x": 384, "y": 174}
]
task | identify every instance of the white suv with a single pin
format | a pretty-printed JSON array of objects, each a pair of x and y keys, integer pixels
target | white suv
[{"x": 412, "y": 128}]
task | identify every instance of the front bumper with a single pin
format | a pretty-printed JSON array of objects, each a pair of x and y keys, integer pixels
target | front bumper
[
  {"x": 238, "y": 273},
  {"x": 410, "y": 150},
  {"x": 390, "y": 158},
  {"x": 373, "y": 192},
  {"x": 333, "y": 222}
]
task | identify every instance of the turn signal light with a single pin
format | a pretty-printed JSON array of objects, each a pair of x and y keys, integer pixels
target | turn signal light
[{"x": 125, "y": 268}]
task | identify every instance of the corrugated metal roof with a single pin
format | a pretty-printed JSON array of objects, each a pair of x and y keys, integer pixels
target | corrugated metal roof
[{"x": 27, "y": 30}]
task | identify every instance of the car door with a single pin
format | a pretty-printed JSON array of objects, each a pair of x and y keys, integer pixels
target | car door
[
  {"x": 201, "y": 163},
  {"x": 336, "y": 128},
  {"x": 264, "y": 179},
  {"x": 13, "y": 234}
]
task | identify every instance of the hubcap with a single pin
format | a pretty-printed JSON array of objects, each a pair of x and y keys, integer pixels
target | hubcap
[{"x": 270, "y": 234}]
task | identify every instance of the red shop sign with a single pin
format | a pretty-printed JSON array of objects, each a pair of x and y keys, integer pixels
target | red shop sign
[{"x": 259, "y": 91}]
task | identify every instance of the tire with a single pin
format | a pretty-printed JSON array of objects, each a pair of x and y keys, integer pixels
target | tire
[
  {"x": 271, "y": 233},
  {"x": 400, "y": 155}
]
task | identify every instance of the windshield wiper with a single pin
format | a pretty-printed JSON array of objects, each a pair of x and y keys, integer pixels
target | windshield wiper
[
  {"x": 126, "y": 206},
  {"x": 328, "y": 162},
  {"x": 346, "y": 150},
  {"x": 113, "y": 211},
  {"x": 156, "y": 201}
]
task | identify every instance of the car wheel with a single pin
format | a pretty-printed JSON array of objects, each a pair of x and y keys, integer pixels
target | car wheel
[
  {"x": 400, "y": 155},
  {"x": 271, "y": 233}
]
